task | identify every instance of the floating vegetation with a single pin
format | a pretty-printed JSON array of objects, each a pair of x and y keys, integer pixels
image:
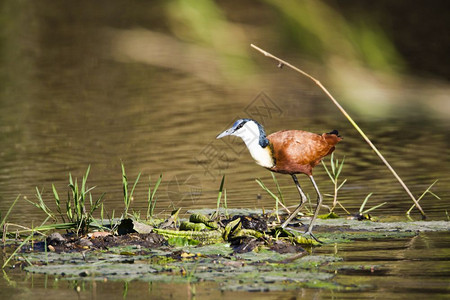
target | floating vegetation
[
  {"x": 336, "y": 169},
  {"x": 222, "y": 245},
  {"x": 167, "y": 256}
]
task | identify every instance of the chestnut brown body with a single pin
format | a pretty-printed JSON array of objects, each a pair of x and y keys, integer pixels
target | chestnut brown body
[{"x": 298, "y": 151}]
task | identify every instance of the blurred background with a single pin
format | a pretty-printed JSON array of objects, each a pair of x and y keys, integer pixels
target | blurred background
[{"x": 151, "y": 83}]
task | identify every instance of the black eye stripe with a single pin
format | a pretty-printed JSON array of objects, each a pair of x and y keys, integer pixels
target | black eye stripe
[{"x": 240, "y": 126}]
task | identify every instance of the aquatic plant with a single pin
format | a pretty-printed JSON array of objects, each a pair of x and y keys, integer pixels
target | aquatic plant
[
  {"x": 24, "y": 242},
  {"x": 77, "y": 213},
  {"x": 225, "y": 203},
  {"x": 3, "y": 219},
  {"x": 151, "y": 196},
  {"x": 363, "y": 212},
  {"x": 336, "y": 168},
  {"x": 427, "y": 191},
  {"x": 279, "y": 200},
  {"x": 127, "y": 196},
  {"x": 219, "y": 196}
]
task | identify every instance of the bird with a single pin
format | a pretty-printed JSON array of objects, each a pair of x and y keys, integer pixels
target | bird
[{"x": 287, "y": 152}]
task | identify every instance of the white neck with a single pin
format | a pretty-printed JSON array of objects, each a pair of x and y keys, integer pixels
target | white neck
[{"x": 249, "y": 133}]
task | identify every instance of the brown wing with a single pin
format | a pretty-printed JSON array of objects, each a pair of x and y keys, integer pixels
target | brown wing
[{"x": 297, "y": 151}]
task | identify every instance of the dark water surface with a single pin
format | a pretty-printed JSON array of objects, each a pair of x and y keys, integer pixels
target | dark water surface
[
  {"x": 392, "y": 269},
  {"x": 71, "y": 98}
]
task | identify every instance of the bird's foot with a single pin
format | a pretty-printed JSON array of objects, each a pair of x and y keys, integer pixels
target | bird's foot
[
  {"x": 310, "y": 234},
  {"x": 307, "y": 235}
]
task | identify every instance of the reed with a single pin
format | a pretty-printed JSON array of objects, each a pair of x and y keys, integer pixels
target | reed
[{"x": 281, "y": 63}]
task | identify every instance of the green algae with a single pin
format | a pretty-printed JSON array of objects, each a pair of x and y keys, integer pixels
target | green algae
[
  {"x": 205, "y": 237},
  {"x": 262, "y": 270},
  {"x": 411, "y": 226},
  {"x": 186, "y": 226},
  {"x": 215, "y": 263},
  {"x": 351, "y": 236},
  {"x": 182, "y": 241},
  {"x": 222, "y": 249}
]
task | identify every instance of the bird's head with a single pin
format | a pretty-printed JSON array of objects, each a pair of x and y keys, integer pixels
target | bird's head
[{"x": 248, "y": 130}]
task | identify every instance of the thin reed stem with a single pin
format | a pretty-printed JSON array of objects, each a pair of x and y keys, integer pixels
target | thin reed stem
[{"x": 282, "y": 62}]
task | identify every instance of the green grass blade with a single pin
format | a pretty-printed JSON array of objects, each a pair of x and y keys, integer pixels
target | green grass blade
[
  {"x": 428, "y": 190},
  {"x": 125, "y": 189},
  {"x": 364, "y": 202},
  {"x": 225, "y": 204},
  {"x": 340, "y": 168},
  {"x": 157, "y": 185},
  {"x": 22, "y": 244},
  {"x": 102, "y": 213},
  {"x": 261, "y": 184},
  {"x": 9, "y": 211},
  {"x": 328, "y": 172},
  {"x": 70, "y": 179},
  {"x": 17, "y": 250},
  {"x": 97, "y": 203},
  {"x": 220, "y": 195},
  {"x": 434, "y": 195},
  {"x": 85, "y": 177},
  {"x": 278, "y": 188},
  {"x": 373, "y": 208},
  {"x": 42, "y": 205},
  {"x": 57, "y": 201},
  {"x": 89, "y": 190},
  {"x": 134, "y": 186},
  {"x": 151, "y": 196},
  {"x": 332, "y": 163},
  {"x": 69, "y": 212},
  {"x": 342, "y": 183}
]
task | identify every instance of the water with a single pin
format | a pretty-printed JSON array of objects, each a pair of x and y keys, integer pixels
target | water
[
  {"x": 70, "y": 97},
  {"x": 394, "y": 268}
]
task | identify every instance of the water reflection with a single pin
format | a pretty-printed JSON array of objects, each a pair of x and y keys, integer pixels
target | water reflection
[{"x": 410, "y": 266}]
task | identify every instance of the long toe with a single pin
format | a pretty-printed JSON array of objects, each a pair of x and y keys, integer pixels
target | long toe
[
  {"x": 292, "y": 222},
  {"x": 309, "y": 233}
]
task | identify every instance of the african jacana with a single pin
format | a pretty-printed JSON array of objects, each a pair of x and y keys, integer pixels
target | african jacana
[{"x": 289, "y": 152}]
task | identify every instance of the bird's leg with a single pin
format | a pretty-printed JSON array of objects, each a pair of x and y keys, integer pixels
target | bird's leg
[
  {"x": 302, "y": 202},
  {"x": 316, "y": 212}
]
